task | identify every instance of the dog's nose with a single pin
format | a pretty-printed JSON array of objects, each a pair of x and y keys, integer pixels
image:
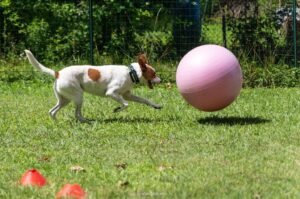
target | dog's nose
[{"x": 156, "y": 80}]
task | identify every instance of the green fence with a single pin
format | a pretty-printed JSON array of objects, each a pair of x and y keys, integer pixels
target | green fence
[{"x": 261, "y": 31}]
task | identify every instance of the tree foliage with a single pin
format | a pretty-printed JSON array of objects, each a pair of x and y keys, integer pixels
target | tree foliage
[{"x": 58, "y": 29}]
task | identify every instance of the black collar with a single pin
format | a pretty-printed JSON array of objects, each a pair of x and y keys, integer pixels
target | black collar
[{"x": 133, "y": 75}]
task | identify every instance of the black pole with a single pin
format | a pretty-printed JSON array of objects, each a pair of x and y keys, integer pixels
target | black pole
[
  {"x": 295, "y": 31},
  {"x": 91, "y": 31},
  {"x": 224, "y": 30}
]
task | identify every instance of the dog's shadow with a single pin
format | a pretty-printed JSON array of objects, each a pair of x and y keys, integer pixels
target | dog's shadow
[
  {"x": 213, "y": 120},
  {"x": 231, "y": 121},
  {"x": 129, "y": 120},
  {"x": 139, "y": 120}
]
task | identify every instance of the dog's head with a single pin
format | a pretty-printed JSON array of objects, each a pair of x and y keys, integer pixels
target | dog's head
[{"x": 148, "y": 72}]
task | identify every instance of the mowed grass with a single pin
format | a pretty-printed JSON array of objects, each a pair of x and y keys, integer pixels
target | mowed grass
[{"x": 249, "y": 150}]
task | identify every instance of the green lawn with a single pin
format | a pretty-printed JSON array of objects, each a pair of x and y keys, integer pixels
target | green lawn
[{"x": 249, "y": 150}]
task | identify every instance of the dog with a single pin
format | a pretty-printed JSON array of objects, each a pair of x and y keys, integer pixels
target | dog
[{"x": 114, "y": 81}]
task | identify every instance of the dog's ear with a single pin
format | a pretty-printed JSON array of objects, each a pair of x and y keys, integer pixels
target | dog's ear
[{"x": 142, "y": 60}]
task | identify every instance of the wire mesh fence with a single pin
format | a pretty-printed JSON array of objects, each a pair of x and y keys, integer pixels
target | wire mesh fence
[{"x": 263, "y": 31}]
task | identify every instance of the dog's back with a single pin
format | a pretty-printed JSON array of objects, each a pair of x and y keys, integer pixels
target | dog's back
[{"x": 93, "y": 79}]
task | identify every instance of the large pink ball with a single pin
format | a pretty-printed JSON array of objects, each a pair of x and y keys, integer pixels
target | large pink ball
[{"x": 209, "y": 77}]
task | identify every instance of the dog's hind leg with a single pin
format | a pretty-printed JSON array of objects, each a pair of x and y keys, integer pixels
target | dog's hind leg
[
  {"x": 61, "y": 102},
  {"x": 78, "y": 113},
  {"x": 78, "y": 100}
]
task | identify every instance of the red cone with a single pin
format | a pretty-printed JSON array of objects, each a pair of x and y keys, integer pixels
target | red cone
[
  {"x": 73, "y": 191},
  {"x": 32, "y": 178}
]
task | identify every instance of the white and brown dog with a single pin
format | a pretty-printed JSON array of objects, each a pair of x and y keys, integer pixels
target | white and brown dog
[{"x": 115, "y": 81}]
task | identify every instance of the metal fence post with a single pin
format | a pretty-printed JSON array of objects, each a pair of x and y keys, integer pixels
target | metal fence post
[
  {"x": 91, "y": 31},
  {"x": 295, "y": 31},
  {"x": 224, "y": 30}
]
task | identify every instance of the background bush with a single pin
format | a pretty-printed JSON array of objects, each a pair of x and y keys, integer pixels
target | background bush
[
  {"x": 60, "y": 28},
  {"x": 57, "y": 32}
]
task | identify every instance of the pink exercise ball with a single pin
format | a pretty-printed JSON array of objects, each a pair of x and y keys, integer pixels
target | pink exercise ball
[{"x": 209, "y": 77}]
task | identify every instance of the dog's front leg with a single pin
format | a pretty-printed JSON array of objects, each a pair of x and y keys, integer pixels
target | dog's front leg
[
  {"x": 117, "y": 97},
  {"x": 130, "y": 97}
]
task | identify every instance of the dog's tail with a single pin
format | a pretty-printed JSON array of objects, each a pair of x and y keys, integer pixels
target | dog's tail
[{"x": 38, "y": 65}]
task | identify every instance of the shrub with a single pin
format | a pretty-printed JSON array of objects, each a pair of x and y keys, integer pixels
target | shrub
[
  {"x": 270, "y": 76},
  {"x": 155, "y": 43},
  {"x": 254, "y": 36}
]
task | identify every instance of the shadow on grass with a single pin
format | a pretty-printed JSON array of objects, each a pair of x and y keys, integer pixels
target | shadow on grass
[
  {"x": 130, "y": 120},
  {"x": 142, "y": 120},
  {"x": 230, "y": 121}
]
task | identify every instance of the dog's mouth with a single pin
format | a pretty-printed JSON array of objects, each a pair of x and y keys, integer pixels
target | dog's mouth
[{"x": 155, "y": 80}]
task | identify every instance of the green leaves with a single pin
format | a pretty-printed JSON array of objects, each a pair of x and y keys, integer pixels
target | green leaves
[
  {"x": 255, "y": 35},
  {"x": 5, "y": 3},
  {"x": 155, "y": 43},
  {"x": 60, "y": 28}
]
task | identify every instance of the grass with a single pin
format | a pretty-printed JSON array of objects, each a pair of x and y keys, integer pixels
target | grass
[{"x": 249, "y": 150}]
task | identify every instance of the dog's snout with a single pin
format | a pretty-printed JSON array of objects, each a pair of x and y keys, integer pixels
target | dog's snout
[{"x": 156, "y": 80}]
